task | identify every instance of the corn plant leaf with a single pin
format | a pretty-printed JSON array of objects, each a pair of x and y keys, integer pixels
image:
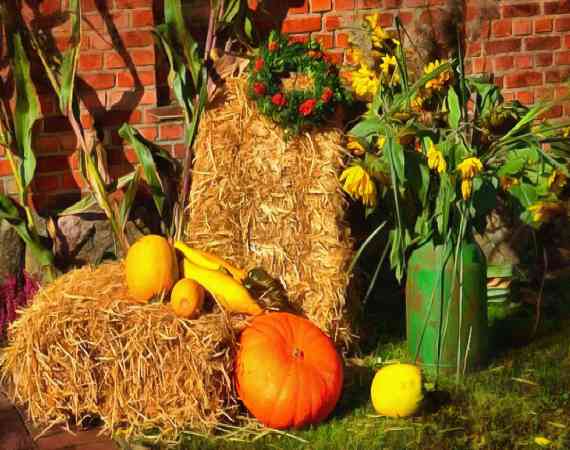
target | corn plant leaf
[
  {"x": 454, "y": 108},
  {"x": 129, "y": 199},
  {"x": 145, "y": 152},
  {"x": 231, "y": 10},
  {"x": 180, "y": 36},
  {"x": 88, "y": 202},
  {"x": 10, "y": 212},
  {"x": 27, "y": 110},
  {"x": 70, "y": 60}
]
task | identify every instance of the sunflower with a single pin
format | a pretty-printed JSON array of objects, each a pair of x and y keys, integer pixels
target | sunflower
[
  {"x": 358, "y": 184},
  {"x": 355, "y": 147},
  {"x": 470, "y": 167},
  {"x": 466, "y": 188},
  {"x": 389, "y": 68},
  {"x": 508, "y": 182},
  {"x": 441, "y": 80},
  {"x": 436, "y": 160},
  {"x": 365, "y": 81},
  {"x": 546, "y": 211}
]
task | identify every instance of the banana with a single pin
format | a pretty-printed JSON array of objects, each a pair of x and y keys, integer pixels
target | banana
[
  {"x": 228, "y": 292},
  {"x": 209, "y": 261}
]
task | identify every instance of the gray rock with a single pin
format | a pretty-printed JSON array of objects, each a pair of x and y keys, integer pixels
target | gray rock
[
  {"x": 11, "y": 251},
  {"x": 499, "y": 241}
]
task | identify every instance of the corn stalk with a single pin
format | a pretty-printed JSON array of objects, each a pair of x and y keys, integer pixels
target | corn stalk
[{"x": 16, "y": 137}]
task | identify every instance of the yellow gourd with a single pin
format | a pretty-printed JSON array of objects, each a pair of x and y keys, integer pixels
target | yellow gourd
[
  {"x": 150, "y": 267},
  {"x": 229, "y": 292},
  {"x": 187, "y": 298},
  {"x": 397, "y": 390},
  {"x": 208, "y": 260}
]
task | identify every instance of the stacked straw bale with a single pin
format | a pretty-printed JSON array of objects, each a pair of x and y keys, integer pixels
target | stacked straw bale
[
  {"x": 84, "y": 349},
  {"x": 259, "y": 200}
]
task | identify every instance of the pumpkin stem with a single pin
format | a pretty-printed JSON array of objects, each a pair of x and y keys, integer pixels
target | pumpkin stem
[{"x": 298, "y": 353}]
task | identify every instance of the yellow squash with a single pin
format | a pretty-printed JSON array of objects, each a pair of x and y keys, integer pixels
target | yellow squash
[
  {"x": 208, "y": 260},
  {"x": 397, "y": 390},
  {"x": 229, "y": 292},
  {"x": 187, "y": 298}
]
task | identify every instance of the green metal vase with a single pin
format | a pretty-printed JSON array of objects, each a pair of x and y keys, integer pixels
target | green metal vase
[{"x": 447, "y": 331}]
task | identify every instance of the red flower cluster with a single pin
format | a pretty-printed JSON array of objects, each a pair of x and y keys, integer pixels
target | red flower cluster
[
  {"x": 326, "y": 95},
  {"x": 273, "y": 46},
  {"x": 259, "y": 63},
  {"x": 279, "y": 99},
  {"x": 307, "y": 107},
  {"x": 259, "y": 88}
]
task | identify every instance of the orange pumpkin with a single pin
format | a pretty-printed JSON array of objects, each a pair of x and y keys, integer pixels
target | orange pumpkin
[{"x": 288, "y": 372}]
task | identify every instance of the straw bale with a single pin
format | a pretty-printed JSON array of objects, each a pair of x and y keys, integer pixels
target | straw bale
[
  {"x": 260, "y": 200},
  {"x": 84, "y": 349}
]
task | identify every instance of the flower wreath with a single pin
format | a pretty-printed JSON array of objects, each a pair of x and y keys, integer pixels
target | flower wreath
[{"x": 294, "y": 109}]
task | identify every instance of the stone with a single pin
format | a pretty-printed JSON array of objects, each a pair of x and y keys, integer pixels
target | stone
[{"x": 11, "y": 251}]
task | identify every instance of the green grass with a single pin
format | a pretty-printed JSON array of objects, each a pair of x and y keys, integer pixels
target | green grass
[{"x": 523, "y": 393}]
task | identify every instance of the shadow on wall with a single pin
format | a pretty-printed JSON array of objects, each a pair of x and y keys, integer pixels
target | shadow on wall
[{"x": 55, "y": 143}]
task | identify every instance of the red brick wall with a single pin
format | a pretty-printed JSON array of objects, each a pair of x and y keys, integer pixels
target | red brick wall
[{"x": 525, "y": 43}]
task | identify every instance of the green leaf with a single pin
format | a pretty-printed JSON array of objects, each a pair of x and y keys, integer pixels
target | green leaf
[
  {"x": 395, "y": 153},
  {"x": 27, "y": 111},
  {"x": 484, "y": 197},
  {"x": 366, "y": 128},
  {"x": 128, "y": 199},
  {"x": 231, "y": 10},
  {"x": 16, "y": 218},
  {"x": 365, "y": 245},
  {"x": 454, "y": 108},
  {"x": 144, "y": 150},
  {"x": 70, "y": 60},
  {"x": 418, "y": 176},
  {"x": 248, "y": 27},
  {"x": 530, "y": 116}
]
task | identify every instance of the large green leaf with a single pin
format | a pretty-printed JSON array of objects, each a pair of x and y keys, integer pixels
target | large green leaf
[
  {"x": 366, "y": 128},
  {"x": 27, "y": 111},
  {"x": 129, "y": 199},
  {"x": 70, "y": 60},
  {"x": 144, "y": 150},
  {"x": 16, "y": 218},
  {"x": 454, "y": 108}
]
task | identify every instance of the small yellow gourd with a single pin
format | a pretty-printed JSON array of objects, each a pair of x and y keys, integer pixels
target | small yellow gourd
[
  {"x": 187, "y": 298},
  {"x": 208, "y": 260}
]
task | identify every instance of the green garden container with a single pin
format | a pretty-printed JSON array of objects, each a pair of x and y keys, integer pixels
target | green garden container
[{"x": 435, "y": 312}]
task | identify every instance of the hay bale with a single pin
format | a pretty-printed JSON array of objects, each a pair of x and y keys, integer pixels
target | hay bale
[
  {"x": 83, "y": 348},
  {"x": 258, "y": 200}
]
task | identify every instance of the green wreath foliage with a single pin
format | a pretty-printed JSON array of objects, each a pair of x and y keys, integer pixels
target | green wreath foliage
[{"x": 298, "y": 109}]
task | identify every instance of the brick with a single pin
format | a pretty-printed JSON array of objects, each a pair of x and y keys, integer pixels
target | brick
[
  {"x": 72, "y": 181},
  {"x": 525, "y": 97},
  {"x": 391, "y": 4},
  {"x": 170, "y": 132},
  {"x": 523, "y": 79},
  {"x": 46, "y": 144},
  {"x": 562, "y": 58},
  {"x": 98, "y": 42},
  {"x": 321, "y": 5},
  {"x": 86, "y": 121},
  {"x": 52, "y": 164},
  {"x": 336, "y": 57},
  {"x": 46, "y": 183},
  {"x": 543, "y": 25},
  {"x": 474, "y": 49},
  {"x": 502, "y": 28},
  {"x": 503, "y": 63},
  {"x": 131, "y": 4},
  {"x": 332, "y": 23},
  {"x": 523, "y": 61},
  {"x": 562, "y": 24},
  {"x": 481, "y": 65},
  {"x": 553, "y": 113},
  {"x": 148, "y": 97},
  {"x": 299, "y": 8},
  {"x": 325, "y": 39},
  {"x": 114, "y": 60},
  {"x": 341, "y": 40},
  {"x": 406, "y": 17},
  {"x": 5, "y": 168},
  {"x": 178, "y": 150},
  {"x": 521, "y": 10},
  {"x": 502, "y": 46},
  {"x": 544, "y": 94},
  {"x": 89, "y": 6},
  {"x": 100, "y": 80},
  {"x": 118, "y": 117},
  {"x": 137, "y": 38},
  {"x": 543, "y": 59},
  {"x": 143, "y": 56},
  {"x": 142, "y": 18},
  {"x": 543, "y": 43},
  {"x": 561, "y": 92},
  {"x": 559, "y": 7},
  {"x": 341, "y": 5},
  {"x": 367, "y": 4},
  {"x": 126, "y": 79},
  {"x": 567, "y": 41},
  {"x": 386, "y": 20},
  {"x": 150, "y": 133},
  {"x": 301, "y": 38},
  {"x": 49, "y": 7},
  {"x": 302, "y": 24},
  {"x": 522, "y": 27},
  {"x": 552, "y": 76},
  {"x": 90, "y": 61},
  {"x": 56, "y": 124}
]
